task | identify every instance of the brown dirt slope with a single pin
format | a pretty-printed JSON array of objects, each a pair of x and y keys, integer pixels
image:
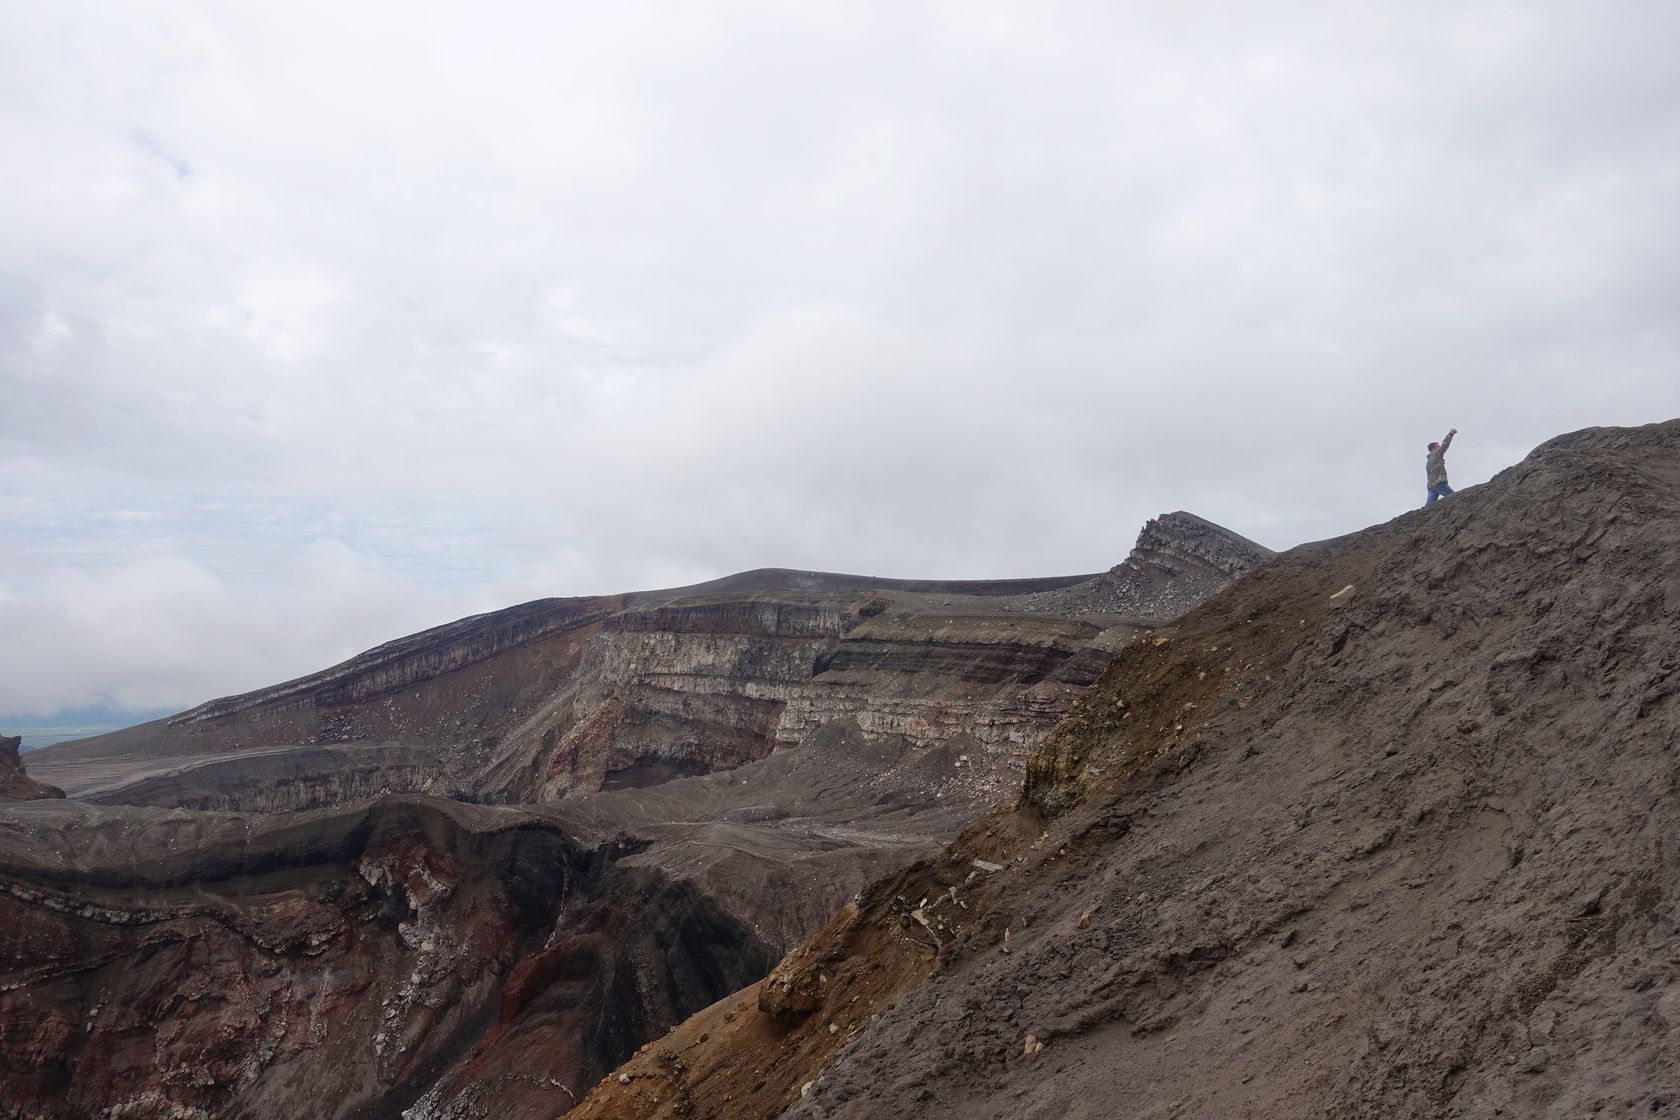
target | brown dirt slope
[{"x": 1405, "y": 853}]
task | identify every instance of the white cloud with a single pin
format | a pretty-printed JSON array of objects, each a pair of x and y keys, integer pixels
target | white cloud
[
  {"x": 583, "y": 299},
  {"x": 158, "y": 629},
  {"x": 52, "y": 331}
]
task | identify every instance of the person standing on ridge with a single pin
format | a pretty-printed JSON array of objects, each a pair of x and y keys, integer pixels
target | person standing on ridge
[{"x": 1436, "y": 464}]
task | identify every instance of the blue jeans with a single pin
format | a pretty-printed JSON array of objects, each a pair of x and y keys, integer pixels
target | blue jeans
[{"x": 1436, "y": 493}]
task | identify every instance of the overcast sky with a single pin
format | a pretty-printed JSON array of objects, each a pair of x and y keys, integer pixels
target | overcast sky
[{"x": 323, "y": 323}]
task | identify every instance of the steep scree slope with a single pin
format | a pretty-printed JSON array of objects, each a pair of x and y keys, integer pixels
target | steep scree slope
[{"x": 1412, "y": 855}]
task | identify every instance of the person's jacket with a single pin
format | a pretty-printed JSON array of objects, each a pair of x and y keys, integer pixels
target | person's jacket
[{"x": 1437, "y": 462}]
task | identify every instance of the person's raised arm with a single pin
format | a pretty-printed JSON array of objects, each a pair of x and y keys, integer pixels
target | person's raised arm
[{"x": 1446, "y": 443}]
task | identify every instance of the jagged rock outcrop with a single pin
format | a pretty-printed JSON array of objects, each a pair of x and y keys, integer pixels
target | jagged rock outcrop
[
  {"x": 15, "y": 782},
  {"x": 562, "y": 696},
  {"x": 1178, "y": 562},
  {"x": 1404, "y": 854}
]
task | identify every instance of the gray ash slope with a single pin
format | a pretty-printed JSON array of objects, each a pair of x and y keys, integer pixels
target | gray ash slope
[
  {"x": 1412, "y": 858},
  {"x": 1409, "y": 857}
]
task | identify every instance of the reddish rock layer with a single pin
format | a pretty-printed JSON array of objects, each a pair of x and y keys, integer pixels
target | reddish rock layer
[{"x": 158, "y": 964}]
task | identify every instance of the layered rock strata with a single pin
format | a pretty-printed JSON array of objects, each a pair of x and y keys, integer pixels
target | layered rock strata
[{"x": 573, "y": 695}]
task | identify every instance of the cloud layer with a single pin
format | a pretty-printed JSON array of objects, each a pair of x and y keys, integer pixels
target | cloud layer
[{"x": 319, "y": 325}]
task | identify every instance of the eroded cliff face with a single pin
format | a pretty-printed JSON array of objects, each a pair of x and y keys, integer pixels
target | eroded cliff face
[
  {"x": 713, "y": 685},
  {"x": 561, "y": 696},
  {"x": 208, "y": 965}
]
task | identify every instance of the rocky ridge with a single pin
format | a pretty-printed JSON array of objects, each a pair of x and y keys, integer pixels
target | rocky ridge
[
  {"x": 1382, "y": 829},
  {"x": 1179, "y": 561},
  {"x": 562, "y": 696}
]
